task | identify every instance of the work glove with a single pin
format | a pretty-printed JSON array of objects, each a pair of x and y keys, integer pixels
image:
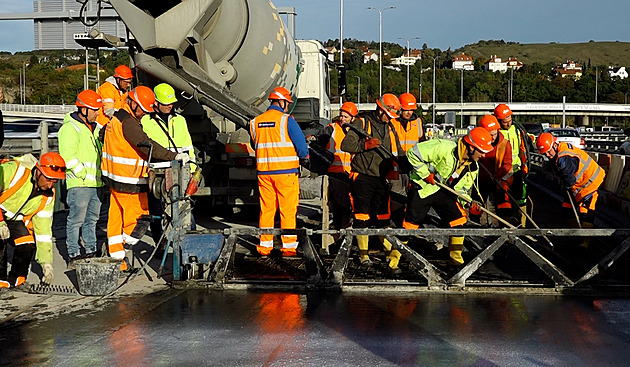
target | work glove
[
  {"x": 4, "y": 231},
  {"x": 474, "y": 208},
  {"x": 372, "y": 143},
  {"x": 48, "y": 272},
  {"x": 306, "y": 163},
  {"x": 310, "y": 139},
  {"x": 430, "y": 179},
  {"x": 184, "y": 157}
]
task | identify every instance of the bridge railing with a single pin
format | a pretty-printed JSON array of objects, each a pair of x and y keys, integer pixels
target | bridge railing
[{"x": 32, "y": 110}]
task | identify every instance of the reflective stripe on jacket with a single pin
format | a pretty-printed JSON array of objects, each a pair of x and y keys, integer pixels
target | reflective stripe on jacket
[
  {"x": 81, "y": 149},
  {"x": 589, "y": 175},
  {"x": 441, "y": 157},
  {"x": 342, "y": 159},
  {"x": 177, "y": 128},
  {"x": 17, "y": 204},
  {"x": 113, "y": 98},
  {"x": 121, "y": 162},
  {"x": 409, "y": 136},
  {"x": 274, "y": 149}
]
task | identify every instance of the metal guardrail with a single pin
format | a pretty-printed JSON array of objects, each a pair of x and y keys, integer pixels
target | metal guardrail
[
  {"x": 35, "y": 110},
  {"x": 605, "y": 142}
]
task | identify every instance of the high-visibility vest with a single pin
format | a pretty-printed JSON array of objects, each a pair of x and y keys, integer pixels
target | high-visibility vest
[
  {"x": 121, "y": 162},
  {"x": 274, "y": 149},
  {"x": 36, "y": 212},
  {"x": 518, "y": 147},
  {"x": 589, "y": 175},
  {"x": 409, "y": 136},
  {"x": 112, "y": 98},
  {"x": 177, "y": 128},
  {"x": 342, "y": 159},
  {"x": 81, "y": 149}
]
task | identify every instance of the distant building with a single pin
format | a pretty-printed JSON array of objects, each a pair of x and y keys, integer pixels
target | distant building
[
  {"x": 331, "y": 51},
  {"x": 619, "y": 72},
  {"x": 495, "y": 64},
  {"x": 463, "y": 62},
  {"x": 369, "y": 56},
  {"x": 570, "y": 69},
  {"x": 414, "y": 55},
  {"x": 498, "y": 64}
]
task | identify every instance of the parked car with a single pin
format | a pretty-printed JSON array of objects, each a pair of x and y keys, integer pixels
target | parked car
[
  {"x": 624, "y": 148},
  {"x": 567, "y": 135}
]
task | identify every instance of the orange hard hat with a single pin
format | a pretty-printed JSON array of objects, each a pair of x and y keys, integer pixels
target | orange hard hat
[
  {"x": 479, "y": 138},
  {"x": 502, "y": 111},
  {"x": 390, "y": 104},
  {"x": 350, "y": 108},
  {"x": 280, "y": 93},
  {"x": 123, "y": 72},
  {"x": 90, "y": 99},
  {"x": 545, "y": 142},
  {"x": 489, "y": 122},
  {"x": 52, "y": 166},
  {"x": 408, "y": 102},
  {"x": 144, "y": 97}
]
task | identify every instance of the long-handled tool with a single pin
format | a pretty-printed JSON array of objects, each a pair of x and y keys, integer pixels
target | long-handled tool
[
  {"x": 468, "y": 200},
  {"x": 524, "y": 212},
  {"x": 577, "y": 216}
]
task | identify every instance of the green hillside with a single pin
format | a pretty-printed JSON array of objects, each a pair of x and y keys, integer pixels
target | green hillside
[{"x": 599, "y": 53}]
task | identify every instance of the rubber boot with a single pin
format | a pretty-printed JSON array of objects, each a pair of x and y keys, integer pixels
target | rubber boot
[
  {"x": 392, "y": 255},
  {"x": 362, "y": 243},
  {"x": 587, "y": 240},
  {"x": 455, "y": 248},
  {"x": 523, "y": 216}
]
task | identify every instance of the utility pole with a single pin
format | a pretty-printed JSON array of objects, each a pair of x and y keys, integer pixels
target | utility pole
[
  {"x": 380, "y": 46},
  {"x": 596, "y": 79},
  {"x": 433, "y": 89},
  {"x": 358, "y": 91},
  {"x": 408, "y": 57},
  {"x": 341, "y": 43},
  {"x": 461, "y": 113}
]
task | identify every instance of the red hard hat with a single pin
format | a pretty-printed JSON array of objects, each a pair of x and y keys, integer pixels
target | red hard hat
[
  {"x": 280, "y": 93},
  {"x": 350, "y": 108},
  {"x": 489, "y": 122},
  {"x": 390, "y": 104},
  {"x": 479, "y": 138},
  {"x": 408, "y": 102},
  {"x": 123, "y": 72},
  {"x": 52, "y": 166},
  {"x": 545, "y": 142},
  {"x": 144, "y": 97},
  {"x": 502, "y": 111},
  {"x": 90, "y": 99}
]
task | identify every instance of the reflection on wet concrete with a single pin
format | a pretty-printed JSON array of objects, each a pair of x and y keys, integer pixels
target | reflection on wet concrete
[{"x": 291, "y": 329}]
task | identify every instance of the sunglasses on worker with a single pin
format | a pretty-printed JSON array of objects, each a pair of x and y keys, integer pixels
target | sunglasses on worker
[{"x": 55, "y": 168}]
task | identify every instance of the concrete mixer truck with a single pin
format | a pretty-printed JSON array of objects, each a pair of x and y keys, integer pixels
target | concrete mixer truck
[{"x": 227, "y": 55}]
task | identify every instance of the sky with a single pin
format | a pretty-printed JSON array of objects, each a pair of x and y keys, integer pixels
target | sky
[{"x": 439, "y": 24}]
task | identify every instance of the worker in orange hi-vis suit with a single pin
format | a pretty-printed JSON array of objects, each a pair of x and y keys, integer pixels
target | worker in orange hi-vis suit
[
  {"x": 124, "y": 167},
  {"x": 114, "y": 93},
  {"x": 279, "y": 144}
]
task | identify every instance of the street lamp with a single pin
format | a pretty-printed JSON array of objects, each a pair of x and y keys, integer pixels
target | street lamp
[
  {"x": 433, "y": 57},
  {"x": 358, "y": 91},
  {"x": 408, "y": 56},
  {"x": 461, "y": 113},
  {"x": 341, "y": 40},
  {"x": 596, "y": 79},
  {"x": 380, "y": 46}
]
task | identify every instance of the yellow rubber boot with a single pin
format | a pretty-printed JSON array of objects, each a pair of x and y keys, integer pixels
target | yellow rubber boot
[
  {"x": 455, "y": 248},
  {"x": 393, "y": 255},
  {"x": 523, "y": 217},
  {"x": 362, "y": 243},
  {"x": 587, "y": 240}
]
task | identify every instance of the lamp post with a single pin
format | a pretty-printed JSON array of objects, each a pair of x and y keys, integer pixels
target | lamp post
[
  {"x": 433, "y": 57},
  {"x": 461, "y": 113},
  {"x": 341, "y": 40},
  {"x": 358, "y": 90},
  {"x": 596, "y": 80},
  {"x": 380, "y": 46},
  {"x": 408, "y": 56}
]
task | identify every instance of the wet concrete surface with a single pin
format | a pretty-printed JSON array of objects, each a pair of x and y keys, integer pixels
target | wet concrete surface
[{"x": 247, "y": 328}]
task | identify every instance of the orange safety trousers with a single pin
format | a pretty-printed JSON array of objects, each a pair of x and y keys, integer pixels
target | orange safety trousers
[
  {"x": 283, "y": 191},
  {"x": 122, "y": 225}
]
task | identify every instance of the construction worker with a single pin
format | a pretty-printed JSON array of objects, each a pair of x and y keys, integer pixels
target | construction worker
[
  {"x": 373, "y": 141},
  {"x": 279, "y": 144},
  {"x": 580, "y": 175},
  {"x": 339, "y": 171},
  {"x": 408, "y": 125},
  {"x": 495, "y": 174},
  {"x": 454, "y": 164},
  {"x": 124, "y": 165},
  {"x": 170, "y": 130},
  {"x": 520, "y": 162},
  {"x": 114, "y": 93},
  {"x": 80, "y": 147},
  {"x": 27, "y": 202}
]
